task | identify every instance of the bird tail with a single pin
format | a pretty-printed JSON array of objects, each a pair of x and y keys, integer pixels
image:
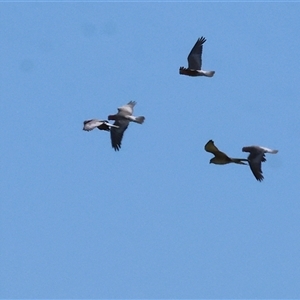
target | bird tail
[
  {"x": 239, "y": 161},
  {"x": 139, "y": 119},
  {"x": 208, "y": 73}
]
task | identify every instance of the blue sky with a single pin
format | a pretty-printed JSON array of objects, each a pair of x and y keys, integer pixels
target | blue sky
[{"x": 154, "y": 220}]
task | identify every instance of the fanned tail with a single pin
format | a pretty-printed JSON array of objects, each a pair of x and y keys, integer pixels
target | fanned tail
[
  {"x": 139, "y": 120},
  {"x": 208, "y": 73}
]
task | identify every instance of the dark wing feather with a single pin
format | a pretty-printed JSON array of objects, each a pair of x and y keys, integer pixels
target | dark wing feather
[
  {"x": 195, "y": 56},
  {"x": 91, "y": 124},
  {"x": 255, "y": 159},
  {"x": 210, "y": 147},
  {"x": 116, "y": 134},
  {"x": 104, "y": 126}
]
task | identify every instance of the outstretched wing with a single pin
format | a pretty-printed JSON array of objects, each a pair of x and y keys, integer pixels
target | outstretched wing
[
  {"x": 255, "y": 159},
  {"x": 126, "y": 109},
  {"x": 195, "y": 56},
  {"x": 252, "y": 149},
  {"x": 89, "y": 125},
  {"x": 116, "y": 134},
  {"x": 210, "y": 147},
  {"x": 220, "y": 157},
  {"x": 268, "y": 150}
]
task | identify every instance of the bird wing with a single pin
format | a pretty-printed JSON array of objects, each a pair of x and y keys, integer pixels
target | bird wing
[
  {"x": 258, "y": 149},
  {"x": 126, "y": 109},
  {"x": 116, "y": 133},
  {"x": 255, "y": 158},
  {"x": 105, "y": 125},
  {"x": 195, "y": 56},
  {"x": 210, "y": 147},
  {"x": 89, "y": 125},
  {"x": 268, "y": 150},
  {"x": 249, "y": 149}
]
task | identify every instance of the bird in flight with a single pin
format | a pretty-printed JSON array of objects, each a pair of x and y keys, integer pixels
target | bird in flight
[
  {"x": 122, "y": 119},
  {"x": 195, "y": 61},
  {"x": 220, "y": 158},
  {"x": 89, "y": 125},
  {"x": 256, "y": 157}
]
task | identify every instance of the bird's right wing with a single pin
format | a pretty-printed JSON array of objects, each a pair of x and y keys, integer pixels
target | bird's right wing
[
  {"x": 117, "y": 132},
  {"x": 195, "y": 56}
]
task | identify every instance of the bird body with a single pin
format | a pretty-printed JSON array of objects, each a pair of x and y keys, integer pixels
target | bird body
[
  {"x": 256, "y": 157},
  {"x": 195, "y": 61}
]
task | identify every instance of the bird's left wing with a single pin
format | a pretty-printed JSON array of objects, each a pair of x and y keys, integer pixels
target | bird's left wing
[{"x": 91, "y": 124}]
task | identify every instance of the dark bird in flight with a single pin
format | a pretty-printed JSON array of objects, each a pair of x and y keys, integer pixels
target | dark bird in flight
[
  {"x": 89, "y": 125},
  {"x": 195, "y": 61},
  {"x": 256, "y": 157},
  {"x": 220, "y": 158},
  {"x": 122, "y": 119}
]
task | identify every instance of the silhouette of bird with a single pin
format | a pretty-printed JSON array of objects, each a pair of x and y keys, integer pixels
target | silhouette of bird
[
  {"x": 256, "y": 157},
  {"x": 220, "y": 158},
  {"x": 122, "y": 119},
  {"x": 195, "y": 61}
]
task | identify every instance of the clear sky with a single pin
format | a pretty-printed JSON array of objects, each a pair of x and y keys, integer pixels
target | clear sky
[{"x": 154, "y": 220}]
